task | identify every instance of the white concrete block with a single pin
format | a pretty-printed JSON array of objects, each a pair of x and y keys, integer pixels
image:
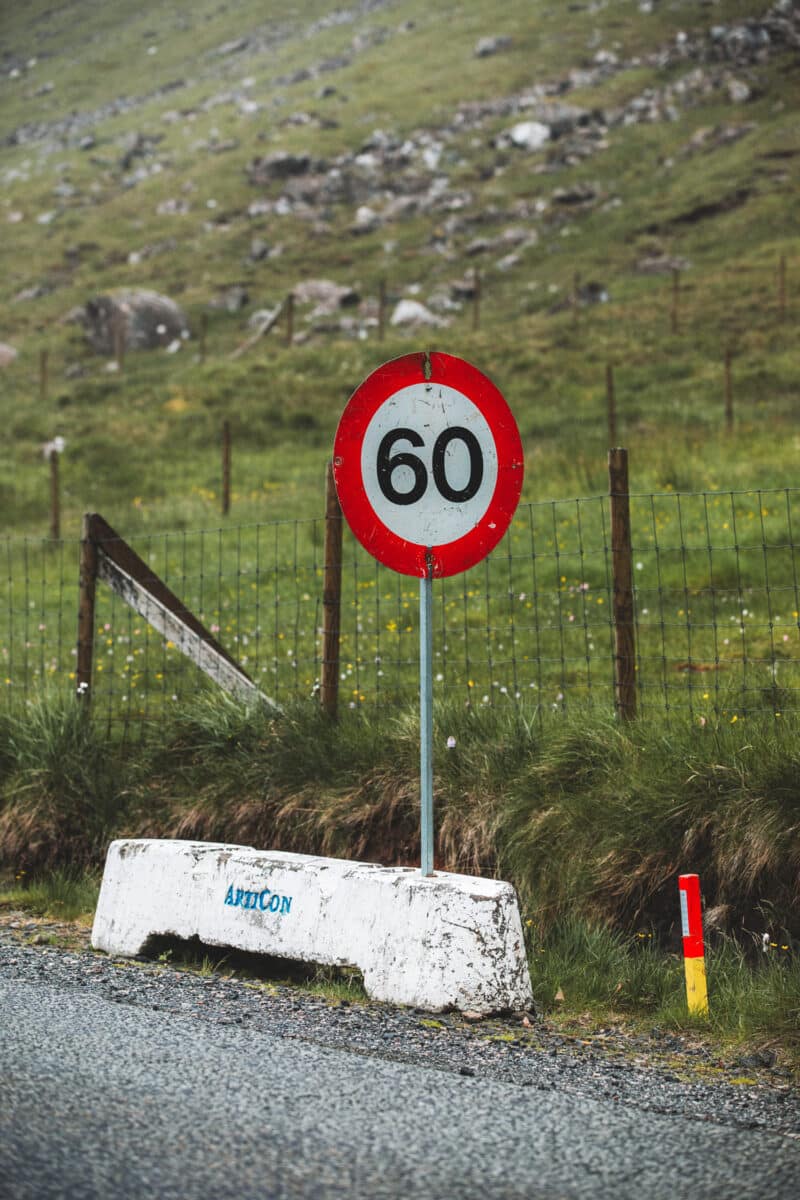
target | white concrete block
[{"x": 433, "y": 942}]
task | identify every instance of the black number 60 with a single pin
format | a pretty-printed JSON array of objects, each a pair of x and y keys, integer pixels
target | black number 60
[{"x": 388, "y": 463}]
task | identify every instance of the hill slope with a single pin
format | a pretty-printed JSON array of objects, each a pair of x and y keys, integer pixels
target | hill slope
[{"x": 578, "y": 157}]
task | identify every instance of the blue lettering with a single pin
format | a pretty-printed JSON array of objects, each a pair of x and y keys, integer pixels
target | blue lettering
[{"x": 265, "y": 900}]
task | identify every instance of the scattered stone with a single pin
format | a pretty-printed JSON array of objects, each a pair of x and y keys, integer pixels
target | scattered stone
[
  {"x": 738, "y": 91},
  {"x": 150, "y": 251},
  {"x": 529, "y": 135},
  {"x": 508, "y": 262},
  {"x": 579, "y": 194},
  {"x": 592, "y": 293},
  {"x": 464, "y": 289},
  {"x": 233, "y": 299},
  {"x": 34, "y": 292},
  {"x": 222, "y": 147},
  {"x": 281, "y": 165},
  {"x": 662, "y": 264},
  {"x": 325, "y": 295},
  {"x": 146, "y": 319},
  {"x": 487, "y": 46},
  {"x": 7, "y": 354},
  {"x": 259, "y": 249},
  {"x": 412, "y": 312},
  {"x": 707, "y": 138},
  {"x": 477, "y": 246},
  {"x": 366, "y": 220},
  {"x": 172, "y": 207}
]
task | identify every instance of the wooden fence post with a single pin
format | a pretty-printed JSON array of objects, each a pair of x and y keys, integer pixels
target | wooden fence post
[
  {"x": 43, "y": 375},
  {"x": 381, "y": 309},
  {"x": 622, "y": 579},
  {"x": 728, "y": 390},
  {"x": 331, "y": 598},
  {"x": 782, "y": 287},
  {"x": 55, "y": 498},
  {"x": 611, "y": 401},
  {"x": 226, "y": 468},
  {"x": 290, "y": 318},
  {"x": 118, "y": 331},
  {"x": 87, "y": 586},
  {"x": 676, "y": 291}
]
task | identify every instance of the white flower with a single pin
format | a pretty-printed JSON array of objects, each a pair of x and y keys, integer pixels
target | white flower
[{"x": 451, "y": 742}]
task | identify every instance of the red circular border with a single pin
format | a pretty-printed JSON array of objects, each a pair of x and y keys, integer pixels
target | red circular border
[{"x": 409, "y": 558}]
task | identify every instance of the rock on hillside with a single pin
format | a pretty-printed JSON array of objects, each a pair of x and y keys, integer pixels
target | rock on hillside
[{"x": 145, "y": 319}]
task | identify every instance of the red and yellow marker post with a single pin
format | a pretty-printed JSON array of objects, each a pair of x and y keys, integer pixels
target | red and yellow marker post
[{"x": 693, "y": 951}]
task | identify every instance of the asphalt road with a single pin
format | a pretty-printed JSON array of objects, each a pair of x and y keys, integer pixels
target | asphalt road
[{"x": 105, "y": 1099}]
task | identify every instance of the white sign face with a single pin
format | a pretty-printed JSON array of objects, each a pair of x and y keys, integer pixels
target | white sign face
[{"x": 429, "y": 464}]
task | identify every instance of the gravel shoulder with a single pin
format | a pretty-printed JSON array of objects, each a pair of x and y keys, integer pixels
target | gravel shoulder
[{"x": 653, "y": 1072}]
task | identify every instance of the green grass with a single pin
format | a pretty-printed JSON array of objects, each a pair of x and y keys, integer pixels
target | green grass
[
  {"x": 143, "y": 447},
  {"x": 61, "y": 895},
  {"x": 588, "y": 817},
  {"x": 709, "y": 772},
  {"x": 582, "y": 967}
]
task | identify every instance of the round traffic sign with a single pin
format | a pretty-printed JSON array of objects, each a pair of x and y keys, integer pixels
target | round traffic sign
[{"x": 428, "y": 464}]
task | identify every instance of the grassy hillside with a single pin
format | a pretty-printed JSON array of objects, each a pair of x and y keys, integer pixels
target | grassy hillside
[{"x": 132, "y": 154}]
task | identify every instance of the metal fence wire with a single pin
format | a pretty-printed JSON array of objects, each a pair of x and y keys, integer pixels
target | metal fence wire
[{"x": 716, "y": 604}]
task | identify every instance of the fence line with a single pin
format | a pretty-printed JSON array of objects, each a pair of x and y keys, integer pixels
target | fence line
[{"x": 715, "y": 603}]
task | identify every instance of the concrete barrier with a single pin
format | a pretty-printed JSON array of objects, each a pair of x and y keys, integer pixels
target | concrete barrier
[{"x": 433, "y": 942}]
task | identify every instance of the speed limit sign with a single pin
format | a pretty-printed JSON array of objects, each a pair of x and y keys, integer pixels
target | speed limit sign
[{"x": 428, "y": 464}]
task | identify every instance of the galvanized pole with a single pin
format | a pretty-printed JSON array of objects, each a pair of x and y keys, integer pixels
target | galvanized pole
[{"x": 426, "y": 717}]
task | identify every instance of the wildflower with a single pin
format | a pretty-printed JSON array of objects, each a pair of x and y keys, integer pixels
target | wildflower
[{"x": 451, "y": 742}]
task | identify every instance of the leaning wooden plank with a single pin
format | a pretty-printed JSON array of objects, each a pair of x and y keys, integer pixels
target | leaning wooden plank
[
  {"x": 261, "y": 330},
  {"x": 137, "y": 584},
  {"x": 218, "y": 667}
]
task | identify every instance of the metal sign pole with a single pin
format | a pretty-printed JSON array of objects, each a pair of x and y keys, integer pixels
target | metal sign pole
[{"x": 426, "y": 717}]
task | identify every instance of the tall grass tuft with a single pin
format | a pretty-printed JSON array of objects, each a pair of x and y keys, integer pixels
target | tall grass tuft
[
  {"x": 65, "y": 894},
  {"x": 586, "y": 964},
  {"x": 63, "y": 787},
  {"x": 603, "y": 817},
  {"x": 588, "y": 817}
]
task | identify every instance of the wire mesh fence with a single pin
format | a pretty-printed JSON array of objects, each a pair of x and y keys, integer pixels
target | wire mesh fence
[{"x": 716, "y": 602}]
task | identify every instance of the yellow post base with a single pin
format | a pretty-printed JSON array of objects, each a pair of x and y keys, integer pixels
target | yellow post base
[{"x": 696, "y": 990}]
